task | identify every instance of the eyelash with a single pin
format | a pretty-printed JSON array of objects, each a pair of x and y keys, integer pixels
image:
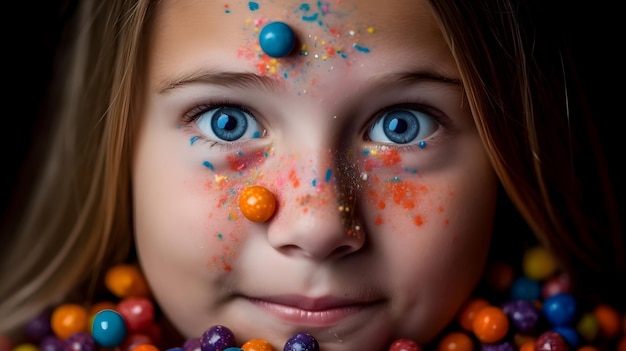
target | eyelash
[
  {"x": 434, "y": 113},
  {"x": 194, "y": 113},
  {"x": 197, "y": 111}
]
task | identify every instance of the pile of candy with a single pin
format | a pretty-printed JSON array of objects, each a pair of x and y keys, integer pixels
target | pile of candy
[{"x": 539, "y": 314}]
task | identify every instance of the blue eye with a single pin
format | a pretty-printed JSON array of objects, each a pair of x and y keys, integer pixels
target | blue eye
[
  {"x": 228, "y": 123},
  {"x": 402, "y": 126}
]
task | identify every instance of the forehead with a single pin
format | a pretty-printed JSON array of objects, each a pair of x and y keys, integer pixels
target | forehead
[{"x": 336, "y": 35}]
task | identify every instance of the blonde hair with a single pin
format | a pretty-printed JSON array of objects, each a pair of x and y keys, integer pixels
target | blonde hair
[
  {"x": 530, "y": 109},
  {"x": 521, "y": 90},
  {"x": 79, "y": 218}
]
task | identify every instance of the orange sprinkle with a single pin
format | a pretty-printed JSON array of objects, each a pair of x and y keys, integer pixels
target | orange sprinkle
[{"x": 418, "y": 220}]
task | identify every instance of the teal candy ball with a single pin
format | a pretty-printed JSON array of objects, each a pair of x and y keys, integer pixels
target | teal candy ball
[
  {"x": 108, "y": 329},
  {"x": 277, "y": 39}
]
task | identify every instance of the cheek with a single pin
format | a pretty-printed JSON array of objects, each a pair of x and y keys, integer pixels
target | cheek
[{"x": 401, "y": 198}]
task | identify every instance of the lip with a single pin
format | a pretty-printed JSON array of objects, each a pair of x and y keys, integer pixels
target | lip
[{"x": 312, "y": 312}]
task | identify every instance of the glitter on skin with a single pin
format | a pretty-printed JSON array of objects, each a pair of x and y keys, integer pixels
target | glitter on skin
[
  {"x": 422, "y": 144},
  {"x": 293, "y": 67},
  {"x": 208, "y": 165},
  {"x": 193, "y": 139},
  {"x": 329, "y": 173}
]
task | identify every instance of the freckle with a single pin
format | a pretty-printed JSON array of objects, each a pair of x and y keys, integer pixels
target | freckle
[
  {"x": 378, "y": 220},
  {"x": 382, "y": 205},
  {"x": 440, "y": 208},
  {"x": 419, "y": 220},
  {"x": 446, "y": 221}
]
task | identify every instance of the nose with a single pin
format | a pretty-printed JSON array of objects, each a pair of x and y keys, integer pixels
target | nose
[{"x": 317, "y": 217}]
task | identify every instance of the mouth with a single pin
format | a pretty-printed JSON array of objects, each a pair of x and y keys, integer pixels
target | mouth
[{"x": 312, "y": 312}]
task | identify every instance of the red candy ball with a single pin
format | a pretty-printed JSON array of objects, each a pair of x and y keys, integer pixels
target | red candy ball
[
  {"x": 551, "y": 341},
  {"x": 138, "y": 313},
  {"x": 404, "y": 345}
]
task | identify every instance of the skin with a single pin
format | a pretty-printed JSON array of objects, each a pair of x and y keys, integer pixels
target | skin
[{"x": 371, "y": 240}]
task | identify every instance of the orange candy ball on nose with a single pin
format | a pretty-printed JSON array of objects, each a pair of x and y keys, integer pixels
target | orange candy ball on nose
[{"x": 257, "y": 203}]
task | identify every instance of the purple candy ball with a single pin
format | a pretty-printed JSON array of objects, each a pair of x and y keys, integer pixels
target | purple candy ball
[
  {"x": 80, "y": 342},
  {"x": 51, "y": 343},
  {"x": 192, "y": 344},
  {"x": 39, "y": 327},
  {"x": 502, "y": 346},
  {"x": 301, "y": 342},
  {"x": 217, "y": 338},
  {"x": 522, "y": 314}
]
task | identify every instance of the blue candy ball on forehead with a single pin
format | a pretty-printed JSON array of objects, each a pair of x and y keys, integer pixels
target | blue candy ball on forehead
[{"x": 277, "y": 39}]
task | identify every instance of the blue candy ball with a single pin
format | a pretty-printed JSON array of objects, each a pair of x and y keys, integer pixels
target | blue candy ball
[
  {"x": 108, "y": 328},
  {"x": 560, "y": 309},
  {"x": 525, "y": 289},
  {"x": 277, "y": 39},
  {"x": 569, "y": 334}
]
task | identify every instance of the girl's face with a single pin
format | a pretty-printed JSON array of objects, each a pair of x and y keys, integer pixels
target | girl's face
[{"x": 385, "y": 195}]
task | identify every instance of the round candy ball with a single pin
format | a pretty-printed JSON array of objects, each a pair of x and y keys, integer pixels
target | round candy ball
[
  {"x": 457, "y": 341},
  {"x": 257, "y": 203},
  {"x": 51, "y": 343},
  {"x": 404, "y": 345},
  {"x": 217, "y": 338},
  {"x": 257, "y": 345},
  {"x": 560, "y": 309},
  {"x": 68, "y": 319},
  {"x": 80, "y": 341},
  {"x": 192, "y": 344},
  {"x": 490, "y": 324},
  {"x": 277, "y": 39},
  {"x": 108, "y": 328},
  {"x": 522, "y": 314},
  {"x": 301, "y": 342},
  {"x": 551, "y": 341},
  {"x": 524, "y": 288}
]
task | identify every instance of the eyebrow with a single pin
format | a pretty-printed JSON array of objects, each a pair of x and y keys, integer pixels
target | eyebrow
[
  {"x": 417, "y": 76},
  {"x": 271, "y": 84},
  {"x": 225, "y": 79}
]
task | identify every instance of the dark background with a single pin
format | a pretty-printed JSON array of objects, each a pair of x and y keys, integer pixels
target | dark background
[{"x": 34, "y": 31}]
